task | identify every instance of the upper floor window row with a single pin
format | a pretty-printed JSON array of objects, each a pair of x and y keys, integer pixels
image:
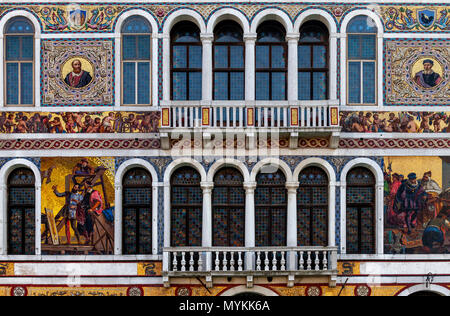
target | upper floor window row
[{"x": 270, "y": 61}]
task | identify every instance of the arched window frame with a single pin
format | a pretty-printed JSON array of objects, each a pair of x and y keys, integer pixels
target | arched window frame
[
  {"x": 309, "y": 188},
  {"x": 230, "y": 70},
  {"x": 149, "y": 188},
  {"x": 228, "y": 186},
  {"x": 372, "y": 205},
  {"x": 188, "y": 70},
  {"x": 137, "y": 61},
  {"x": 188, "y": 207},
  {"x": 20, "y": 62},
  {"x": 270, "y": 70},
  {"x": 351, "y": 35},
  {"x": 269, "y": 207},
  {"x": 312, "y": 70}
]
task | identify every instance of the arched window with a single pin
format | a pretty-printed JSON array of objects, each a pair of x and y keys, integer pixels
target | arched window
[
  {"x": 19, "y": 62},
  {"x": 313, "y": 65},
  {"x": 271, "y": 62},
  {"x": 362, "y": 60},
  {"x": 136, "y": 61},
  {"x": 360, "y": 211},
  {"x": 229, "y": 62},
  {"x": 271, "y": 209},
  {"x": 312, "y": 208},
  {"x": 187, "y": 207},
  {"x": 137, "y": 212},
  {"x": 228, "y": 209},
  {"x": 186, "y": 62},
  {"x": 21, "y": 212}
]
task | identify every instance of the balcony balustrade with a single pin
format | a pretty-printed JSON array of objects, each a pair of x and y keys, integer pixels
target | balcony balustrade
[{"x": 249, "y": 262}]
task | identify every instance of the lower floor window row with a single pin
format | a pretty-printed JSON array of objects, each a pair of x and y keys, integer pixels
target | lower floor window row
[{"x": 228, "y": 200}]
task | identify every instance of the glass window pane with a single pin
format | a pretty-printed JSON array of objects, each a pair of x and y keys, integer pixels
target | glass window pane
[
  {"x": 237, "y": 57},
  {"x": 179, "y": 86},
  {"x": 221, "y": 56},
  {"x": 12, "y": 83},
  {"x": 304, "y": 86},
  {"x": 144, "y": 47},
  {"x": 129, "y": 48},
  {"x": 237, "y": 86},
  {"x": 195, "y": 86},
  {"x": 144, "y": 83},
  {"x": 26, "y": 73},
  {"x": 320, "y": 57},
  {"x": 262, "y": 86},
  {"x": 129, "y": 83},
  {"x": 12, "y": 48},
  {"x": 137, "y": 25},
  {"x": 362, "y": 24},
  {"x": 354, "y": 82},
  {"x": 221, "y": 86},
  {"x": 368, "y": 44},
  {"x": 262, "y": 57},
  {"x": 278, "y": 58},
  {"x": 320, "y": 86},
  {"x": 354, "y": 47},
  {"x": 369, "y": 82},
  {"x": 195, "y": 57},
  {"x": 27, "y": 48},
  {"x": 179, "y": 57},
  {"x": 304, "y": 56},
  {"x": 278, "y": 86}
]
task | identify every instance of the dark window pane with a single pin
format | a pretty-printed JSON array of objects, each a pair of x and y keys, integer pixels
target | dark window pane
[
  {"x": 304, "y": 86},
  {"x": 237, "y": 57},
  {"x": 354, "y": 47},
  {"x": 12, "y": 48},
  {"x": 278, "y": 86},
  {"x": 369, "y": 82},
  {"x": 144, "y": 47},
  {"x": 19, "y": 25},
  {"x": 12, "y": 83},
  {"x": 237, "y": 86},
  {"x": 179, "y": 86},
  {"x": 361, "y": 24},
  {"x": 144, "y": 83},
  {"x": 320, "y": 86},
  {"x": 368, "y": 43},
  {"x": 320, "y": 57},
  {"x": 221, "y": 86},
  {"x": 354, "y": 82},
  {"x": 278, "y": 57},
  {"x": 129, "y": 83},
  {"x": 195, "y": 86},
  {"x": 304, "y": 56},
  {"x": 179, "y": 57},
  {"x": 27, "y": 48},
  {"x": 136, "y": 25},
  {"x": 262, "y": 86},
  {"x": 221, "y": 56},
  {"x": 262, "y": 57},
  {"x": 195, "y": 57},
  {"x": 129, "y": 48},
  {"x": 26, "y": 73}
]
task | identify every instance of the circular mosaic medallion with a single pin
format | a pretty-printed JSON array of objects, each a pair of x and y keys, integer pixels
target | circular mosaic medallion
[
  {"x": 362, "y": 290},
  {"x": 183, "y": 291},
  {"x": 19, "y": 291},
  {"x": 313, "y": 291},
  {"x": 135, "y": 291}
]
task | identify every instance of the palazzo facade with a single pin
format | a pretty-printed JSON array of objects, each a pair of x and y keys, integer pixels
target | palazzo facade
[{"x": 224, "y": 148}]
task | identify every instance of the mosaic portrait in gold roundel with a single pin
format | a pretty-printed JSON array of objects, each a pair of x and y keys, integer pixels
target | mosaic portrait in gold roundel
[
  {"x": 77, "y": 72},
  {"x": 427, "y": 73}
]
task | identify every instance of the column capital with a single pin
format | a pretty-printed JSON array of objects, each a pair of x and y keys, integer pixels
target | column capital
[
  {"x": 207, "y": 37},
  {"x": 292, "y": 186},
  {"x": 207, "y": 186},
  {"x": 250, "y": 186},
  {"x": 291, "y": 37},
  {"x": 248, "y": 37}
]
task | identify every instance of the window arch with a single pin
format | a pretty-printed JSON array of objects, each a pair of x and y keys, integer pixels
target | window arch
[
  {"x": 229, "y": 61},
  {"x": 21, "y": 212},
  {"x": 19, "y": 62},
  {"x": 137, "y": 212},
  {"x": 187, "y": 207},
  {"x": 186, "y": 62},
  {"x": 271, "y": 209},
  {"x": 313, "y": 61},
  {"x": 228, "y": 209},
  {"x": 271, "y": 62},
  {"x": 362, "y": 60},
  {"x": 360, "y": 211},
  {"x": 136, "y": 61},
  {"x": 312, "y": 207}
]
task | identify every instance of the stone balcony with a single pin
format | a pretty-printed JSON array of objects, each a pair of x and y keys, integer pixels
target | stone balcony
[
  {"x": 249, "y": 263},
  {"x": 249, "y": 122}
]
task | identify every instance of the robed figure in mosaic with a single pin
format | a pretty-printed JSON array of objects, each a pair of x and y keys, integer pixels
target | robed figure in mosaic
[
  {"x": 78, "y": 78},
  {"x": 428, "y": 78}
]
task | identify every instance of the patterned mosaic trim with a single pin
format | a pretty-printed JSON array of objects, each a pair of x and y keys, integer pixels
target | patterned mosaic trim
[
  {"x": 394, "y": 144},
  {"x": 71, "y": 144},
  {"x": 100, "y": 17}
]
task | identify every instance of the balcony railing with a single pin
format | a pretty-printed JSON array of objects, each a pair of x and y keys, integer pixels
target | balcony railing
[
  {"x": 241, "y": 116},
  {"x": 240, "y": 261}
]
